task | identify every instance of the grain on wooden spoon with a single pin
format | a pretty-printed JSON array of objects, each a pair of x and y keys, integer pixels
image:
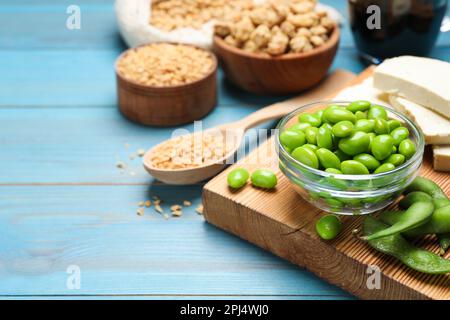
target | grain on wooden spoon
[{"x": 192, "y": 168}]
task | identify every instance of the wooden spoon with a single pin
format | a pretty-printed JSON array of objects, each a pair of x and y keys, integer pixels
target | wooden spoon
[{"x": 338, "y": 80}]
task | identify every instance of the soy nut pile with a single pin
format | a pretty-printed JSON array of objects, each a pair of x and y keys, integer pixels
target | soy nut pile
[
  {"x": 277, "y": 27},
  {"x": 165, "y": 64}
]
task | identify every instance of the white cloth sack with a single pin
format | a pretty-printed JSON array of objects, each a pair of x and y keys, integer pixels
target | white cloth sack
[{"x": 133, "y": 18}]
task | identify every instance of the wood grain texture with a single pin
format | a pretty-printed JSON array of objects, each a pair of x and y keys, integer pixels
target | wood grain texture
[
  {"x": 290, "y": 73},
  {"x": 282, "y": 222}
]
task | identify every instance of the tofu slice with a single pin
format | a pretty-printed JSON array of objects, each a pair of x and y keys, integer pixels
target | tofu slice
[
  {"x": 363, "y": 91},
  {"x": 435, "y": 128},
  {"x": 424, "y": 81},
  {"x": 441, "y": 156}
]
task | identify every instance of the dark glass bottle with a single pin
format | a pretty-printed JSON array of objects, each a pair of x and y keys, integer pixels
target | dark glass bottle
[{"x": 389, "y": 28}]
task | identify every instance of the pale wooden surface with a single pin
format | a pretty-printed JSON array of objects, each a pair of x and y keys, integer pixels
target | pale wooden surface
[{"x": 282, "y": 222}]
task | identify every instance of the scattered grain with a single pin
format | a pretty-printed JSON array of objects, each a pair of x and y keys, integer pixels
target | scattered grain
[
  {"x": 177, "y": 213},
  {"x": 140, "y": 211},
  {"x": 158, "y": 208},
  {"x": 141, "y": 203},
  {"x": 187, "y": 203},
  {"x": 121, "y": 165},
  {"x": 148, "y": 203},
  {"x": 199, "y": 209},
  {"x": 175, "y": 207},
  {"x": 141, "y": 152}
]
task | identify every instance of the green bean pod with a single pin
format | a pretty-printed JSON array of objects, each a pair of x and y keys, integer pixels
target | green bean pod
[
  {"x": 396, "y": 246},
  {"x": 427, "y": 186},
  {"x": 413, "y": 197},
  {"x": 439, "y": 222},
  {"x": 417, "y": 214}
]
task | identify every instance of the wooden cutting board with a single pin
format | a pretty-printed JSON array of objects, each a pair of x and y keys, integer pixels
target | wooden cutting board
[{"x": 282, "y": 222}]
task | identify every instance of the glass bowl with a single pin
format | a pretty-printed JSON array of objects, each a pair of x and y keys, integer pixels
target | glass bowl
[{"x": 349, "y": 194}]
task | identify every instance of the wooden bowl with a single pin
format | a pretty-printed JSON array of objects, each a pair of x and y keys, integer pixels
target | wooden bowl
[
  {"x": 169, "y": 105},
  {"x": 289, "y": 73}
]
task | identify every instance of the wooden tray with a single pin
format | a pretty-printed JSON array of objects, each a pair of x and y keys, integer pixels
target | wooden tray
[{"x": 283, "y": 223}]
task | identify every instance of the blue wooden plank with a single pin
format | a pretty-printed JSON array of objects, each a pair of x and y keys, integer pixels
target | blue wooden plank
[
  {"x": 45, "y": 230},
  {"x": 86, "y": 78}
]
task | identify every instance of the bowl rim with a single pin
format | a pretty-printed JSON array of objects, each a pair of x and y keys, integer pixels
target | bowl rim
[
  {"x": 328, "y": 45},
  {"x": 177, "y": 86},
  {"x": 417, "y": 156}
]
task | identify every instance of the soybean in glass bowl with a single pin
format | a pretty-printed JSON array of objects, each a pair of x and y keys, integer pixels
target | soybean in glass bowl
[{"x": 349, "y": 194}]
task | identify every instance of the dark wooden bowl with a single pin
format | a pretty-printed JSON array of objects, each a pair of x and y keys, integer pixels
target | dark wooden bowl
[
  {"x": 289, "y": 73},
  {"x": 169, "y": 105}
]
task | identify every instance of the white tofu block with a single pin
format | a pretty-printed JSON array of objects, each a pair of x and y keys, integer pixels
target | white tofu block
[
  {"x": 424, "y": 81},
  {"x": 441, "y": 158},
  {"x": 435, "y": 128}
]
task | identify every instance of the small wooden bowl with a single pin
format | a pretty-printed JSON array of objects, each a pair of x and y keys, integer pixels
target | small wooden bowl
[
  {"x": 169, "y": 105},
  {"x": 289, "y": 73}
]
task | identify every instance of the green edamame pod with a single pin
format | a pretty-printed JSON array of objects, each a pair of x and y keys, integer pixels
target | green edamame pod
[
  {"x": 427, "y": 186},
  {"x": 444, "y": 243},
  {"x": 439, "y": 203},
  {"x": 413, "y": 197},
  {"x": 396, "y": 246},
  {"x": 417, "y": 214},
  {"x": 439, "y": 222}
]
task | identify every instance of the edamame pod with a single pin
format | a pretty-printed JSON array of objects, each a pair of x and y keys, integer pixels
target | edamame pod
[
  {"x": 439, "y": 222},
  {"x": 427, "y": 186},
  {"x": 413, "y": 197},
  {"x": 417, "y": 214},
  {"x": 398, "y": 247}
]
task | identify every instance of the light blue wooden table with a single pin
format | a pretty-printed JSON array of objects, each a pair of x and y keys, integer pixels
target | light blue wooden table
[{"x": 64, "y": 204}]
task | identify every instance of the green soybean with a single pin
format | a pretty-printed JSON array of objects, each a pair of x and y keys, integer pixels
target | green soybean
[
  {"x": 343, "y": 129},
  {"x": 237, "y": 178},
  {"x": 407, "y": 148},
  {"x": 381, "y": 126},
  {"x": 292, "y": 139},
  {"x": 336, "y": 115},
  {"x": 328, "y": 159},
  {"x": 333, "y": 170},
  {"x": 417, "y": 214},
  {"x": 360, "y": 115},
  {"x": 264, "y": 178},
  {"x": 306, "y": 156},
  {"x": 368, "y": 161},
  {"x": 399, "y": 134},
  {"x": 353, "y": 167},
  {"x": 377, "y": 112},
  {"x": 319, "y": 115},
  {"x": 328, "y": 227},
  {"x": 394, "y": 124},
  {"x": 382, "y": 146},
  {"x": 325, "y": 138},
  {"x": 327, "y": 126},
  {"x": 413, "y": 197},
  {"x": 309, "y": 118},
  {"x": 398, "y": 247},
  {"x": 386, "y": 167},
  {"x": 360, "y": 105},
  {"x": 364, "y": 125},
  {"x": 299, "y": 126},
  {"x": 396, "y": 159},
  {"x": 313, "y": 147},
  {"x": 357, "y": 143},
  {"x": 342, "y": 156},
  {"x": 311, "y": 135}
]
